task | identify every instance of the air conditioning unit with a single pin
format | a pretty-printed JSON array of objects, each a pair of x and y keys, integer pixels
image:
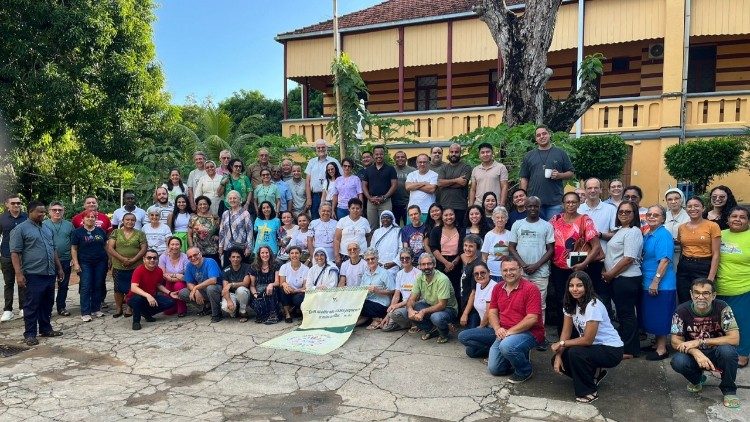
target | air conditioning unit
[{"x": 656, "y": 51}]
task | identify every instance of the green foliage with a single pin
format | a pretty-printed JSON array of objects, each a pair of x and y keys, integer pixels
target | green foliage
[
  {"x": 601, "y": 156},
  {"x": 277, "y": 147},
  {"x": 314, "y": 103},
  {"x": 509, "y": 143},
  {"x": 592, "y": 67},
  {"x": 351, "y": 89},
  {"x": 700, "y": 161},
  {"x": 252, "y": 113}
]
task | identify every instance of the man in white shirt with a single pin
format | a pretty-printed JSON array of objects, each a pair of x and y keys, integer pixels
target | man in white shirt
[
  {"x": 316, "y": 176},
  {"x": 199, "y": 158},
  {"x": 421, "y": 185}
]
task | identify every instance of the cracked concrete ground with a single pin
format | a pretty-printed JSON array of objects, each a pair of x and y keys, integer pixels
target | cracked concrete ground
[{"x": 177, "y": 368}]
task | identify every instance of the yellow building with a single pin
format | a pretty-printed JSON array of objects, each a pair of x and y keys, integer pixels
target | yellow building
[{"x": 435, "y": 63}]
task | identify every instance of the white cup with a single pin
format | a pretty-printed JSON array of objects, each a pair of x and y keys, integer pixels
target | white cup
[{"x": 548, "y": 173}]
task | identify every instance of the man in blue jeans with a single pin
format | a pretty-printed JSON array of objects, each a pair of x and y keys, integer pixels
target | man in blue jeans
[
  {"x": 705, "y": 335},
  {"x": 432, "y": 304},
  {"x": 37, "y": 267},
  {"x": 515, "y": 313}
]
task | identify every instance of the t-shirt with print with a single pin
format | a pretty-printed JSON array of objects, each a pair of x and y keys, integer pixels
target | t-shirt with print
[
  {"x": 353, "y": 232},
  {"x": 606, "y": 335},
  {"x": 230, "y": 275},
  {"x": 496, "y": 246},
  {"x": 266, "y": 234},
  {"x": 405, "y": 282},
  {"x": 531, "y": 239},
  {"x": 414, "y": 238},
  {"x": 295, "y": 278},
  {"x": 90, "y": 244},
  {"x": 690, "y": 325}
]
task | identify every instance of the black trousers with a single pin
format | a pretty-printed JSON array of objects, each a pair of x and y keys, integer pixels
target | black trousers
[
  {"x": 688, "y": 269},
  {"x": 581, "y": 363},
  {"x": 626, "y": 291}
]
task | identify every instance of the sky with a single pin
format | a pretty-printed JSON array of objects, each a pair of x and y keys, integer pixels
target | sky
[{"x": 212, "y": 48}]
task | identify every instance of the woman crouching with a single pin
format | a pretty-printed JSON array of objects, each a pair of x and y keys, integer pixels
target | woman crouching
[{"x": 598, "y": 345}]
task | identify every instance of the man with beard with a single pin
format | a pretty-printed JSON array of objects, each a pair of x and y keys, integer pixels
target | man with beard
[
  {"x": 162, "y": 205},
  {"x": 453, "y": 181},
  {"x": 436, "y": 159},
  {"x": 432, "y": 304},
  {"x": 129, "y": 206},
  {"x": 705, "y": 335},
  {"x": 401, "y": 197}
]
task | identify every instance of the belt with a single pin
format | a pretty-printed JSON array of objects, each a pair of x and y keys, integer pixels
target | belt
[{"x": 696, "y": 258}]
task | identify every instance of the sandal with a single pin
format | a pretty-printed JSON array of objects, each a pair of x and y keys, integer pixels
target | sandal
[
  {"x": 697, "y": 388},
  {"x": 600, "y": 376},
  {"x": 589, "y": 398},
  {"x": 414, "y": 330},
  {"x": 117, "y": 314},
  {"x": 375, "y": 324},
  {"x": 731, "y": 401},
  {"x": 442, "y": 340},
  {"x": 429, "y": 335}
]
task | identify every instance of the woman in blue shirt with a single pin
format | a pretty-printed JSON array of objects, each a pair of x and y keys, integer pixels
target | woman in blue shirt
[
  {"x": 266, "y": 228},
  {"x": 659, "y": 298}
]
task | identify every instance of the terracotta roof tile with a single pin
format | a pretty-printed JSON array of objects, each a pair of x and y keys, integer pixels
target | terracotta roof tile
[{"x": 395, "y": 10}]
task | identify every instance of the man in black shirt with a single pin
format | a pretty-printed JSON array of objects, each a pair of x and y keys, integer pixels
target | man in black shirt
[
  {"x": 378, "y": 185},
  {"x": 9, "y": 219}
]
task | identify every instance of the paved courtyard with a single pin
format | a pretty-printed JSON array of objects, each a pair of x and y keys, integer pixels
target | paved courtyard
[{"x": 190, "y": 368}]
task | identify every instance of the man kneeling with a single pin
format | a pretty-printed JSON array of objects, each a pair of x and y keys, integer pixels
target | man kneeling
[
  {"x": 705, "y": 335},
  {"x": 432, "y": 304},
  {"x": 516, "y": 316},
  {"x": 143, "y": 297}
]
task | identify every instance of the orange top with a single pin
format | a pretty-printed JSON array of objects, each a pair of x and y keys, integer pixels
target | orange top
[{"x": 696, "y": 242}]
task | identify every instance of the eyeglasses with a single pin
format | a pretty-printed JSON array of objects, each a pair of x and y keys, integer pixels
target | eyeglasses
[
  {"x": 224, "y": 158},
  {"x": 653, "y": 214},
  {"x": 693, "y": 207},
  {"x": 237, "y": 167},
  {"x": 480, "y": 273},
  {"x": 405, "y": 258},
  {"x": 55, "y": 210},
  {"x": 150, "y": 258},
  {"x": 629, "y": 197},
  {"x": 193, "y": 256},
  {"x": 625, "y": 212},
  {"x": 718, "y": 197},
  {"x": 701, "y": 294},
  {"x": 371, "y": 259},
  {"x": 346, "y": 165}
]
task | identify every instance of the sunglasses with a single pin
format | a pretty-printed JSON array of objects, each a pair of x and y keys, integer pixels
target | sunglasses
[
  {"x": 405, "y": 258},
  {"x": 150, "y": 258}
]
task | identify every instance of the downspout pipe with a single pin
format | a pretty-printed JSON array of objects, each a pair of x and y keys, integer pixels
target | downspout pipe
[
  {"x": 685, "y": 61},
  {"x": 579, "y": 57}
]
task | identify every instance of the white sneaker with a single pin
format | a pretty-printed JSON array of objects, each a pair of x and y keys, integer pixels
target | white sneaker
[
  {"x": 7, "y": 316},
  {"x": 99, "y": 314},
  {"x": 86, "y": 318}
]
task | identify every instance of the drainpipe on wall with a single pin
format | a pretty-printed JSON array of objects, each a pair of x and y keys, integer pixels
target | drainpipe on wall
[
  {"x": 685, "y": 60},
  {"x": 579, "y": 57}
]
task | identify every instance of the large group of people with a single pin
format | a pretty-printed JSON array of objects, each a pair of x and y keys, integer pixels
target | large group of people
[{"x": 441, "y": 248}]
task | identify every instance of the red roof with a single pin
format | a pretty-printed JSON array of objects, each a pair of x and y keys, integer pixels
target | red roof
[{"x": 393, "y": 11}]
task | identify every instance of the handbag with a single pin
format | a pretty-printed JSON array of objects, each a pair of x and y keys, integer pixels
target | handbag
[{"x": 582, "y": 248}]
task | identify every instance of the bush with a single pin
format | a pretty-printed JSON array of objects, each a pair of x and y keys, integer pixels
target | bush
[
  {"x": 700, "y": 161},
  {"x": 601, "y": 156}
]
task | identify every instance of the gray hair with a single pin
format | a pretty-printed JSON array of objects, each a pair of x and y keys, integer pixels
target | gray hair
[
  {"x": 474, "y": 239},
  {"x": 428, "y": 255},
  {"x": 370, "y": 252},
  {"x": 500, "y": 210}
]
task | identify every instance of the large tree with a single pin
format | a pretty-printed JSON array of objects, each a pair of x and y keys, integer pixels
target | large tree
[
  {"x": 524, "y": 39},
  {"x": 83, "y": 69}
]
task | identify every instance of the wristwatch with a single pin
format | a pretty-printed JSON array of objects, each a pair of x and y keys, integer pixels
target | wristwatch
[{"x": 657, "y": 275}]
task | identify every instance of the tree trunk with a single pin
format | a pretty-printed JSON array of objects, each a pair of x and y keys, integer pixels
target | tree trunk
[{"x": 524, "y": 40}]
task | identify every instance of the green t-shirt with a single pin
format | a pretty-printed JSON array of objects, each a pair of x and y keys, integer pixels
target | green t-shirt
[
  {"x": 733, "y": 277},
  {"x": 439, "y": 288},
  {"x": 127, "y": 247},
  {"x": 62, "y": 232},
  {"x": 268, "y": 193},
  {"x": 242, "y": 185}
]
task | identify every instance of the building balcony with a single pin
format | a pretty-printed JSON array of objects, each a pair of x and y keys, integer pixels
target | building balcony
[{"x": 704, "y": 111}]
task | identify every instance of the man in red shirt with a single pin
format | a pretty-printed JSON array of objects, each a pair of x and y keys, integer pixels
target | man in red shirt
[
  {"x": 92, "y": 204},
  {"x": 515, "y": 313},
  {"x": 146, "y": 282}
]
